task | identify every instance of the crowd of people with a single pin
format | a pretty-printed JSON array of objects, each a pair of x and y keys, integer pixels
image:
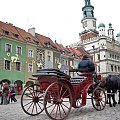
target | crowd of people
[{"x": 7, "y": 93}]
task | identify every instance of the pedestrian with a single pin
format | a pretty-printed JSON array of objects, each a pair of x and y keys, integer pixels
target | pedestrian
[
  {"x": 5, "y": 93},
  {"x": 12, "y": 95},
  {"x": 0, "y": 93}
]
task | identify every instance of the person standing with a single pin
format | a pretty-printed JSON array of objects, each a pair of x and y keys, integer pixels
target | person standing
[
  {"x": 12, "y": 95},
  {"x": 5, "y": 93}
]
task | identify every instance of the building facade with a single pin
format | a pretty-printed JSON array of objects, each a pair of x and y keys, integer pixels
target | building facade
[{"x": 104, "y": 47}]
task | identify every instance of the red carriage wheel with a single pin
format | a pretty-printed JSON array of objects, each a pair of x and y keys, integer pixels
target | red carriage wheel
[
  {"x": 58, "y": 101},
  {"x": 99, "y": 98},
  {"x": 32, "y": 100}
]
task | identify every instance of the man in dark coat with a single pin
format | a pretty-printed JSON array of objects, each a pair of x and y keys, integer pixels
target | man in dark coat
[{"x": 86, "y": 65}]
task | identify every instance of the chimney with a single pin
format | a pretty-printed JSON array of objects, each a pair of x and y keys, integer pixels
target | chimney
[{"x": 32, "y": 31}]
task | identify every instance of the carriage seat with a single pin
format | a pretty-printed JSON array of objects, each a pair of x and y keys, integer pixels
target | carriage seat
[{"x": 51, "y": 72}]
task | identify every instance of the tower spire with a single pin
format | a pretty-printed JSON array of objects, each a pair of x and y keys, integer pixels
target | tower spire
[
  {"x": 88, "y": 21},
  {"x": 87, "y": 2}
]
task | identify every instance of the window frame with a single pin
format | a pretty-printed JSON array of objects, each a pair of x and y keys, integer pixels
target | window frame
[
  {"x": 5, "y": 66},
  {"x": 6, "y": 47},
  {"x": 18, "y": 50},
  {"x": 32, "y": 55},
  {"x": 31, "y": 67},
  {"x": 19, "y": 66}
]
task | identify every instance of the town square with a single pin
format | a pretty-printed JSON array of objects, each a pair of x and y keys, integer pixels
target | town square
[{"x": 42, "y": 78}]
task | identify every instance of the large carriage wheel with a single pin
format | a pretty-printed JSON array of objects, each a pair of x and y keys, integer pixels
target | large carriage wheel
[
  {"x": 58, "y": 101},
  {"x": 99, "y": 98},
  {"x": 32, "y": 100}
]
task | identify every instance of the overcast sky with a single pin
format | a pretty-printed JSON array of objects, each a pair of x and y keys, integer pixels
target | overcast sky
[{"x": 58, "y": 19}]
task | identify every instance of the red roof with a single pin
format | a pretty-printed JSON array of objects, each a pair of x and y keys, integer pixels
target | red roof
[
  {"x": 8, "y": 30},
  {"x": 45, "y": 40}
]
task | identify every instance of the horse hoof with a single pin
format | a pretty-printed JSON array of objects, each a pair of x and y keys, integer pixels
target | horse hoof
[
  {"x": 114, "y": 105},
  {"x": 110, "y": 105},
  {"x": 119, "y": 102},
  {"x": 115, "y": 102}
]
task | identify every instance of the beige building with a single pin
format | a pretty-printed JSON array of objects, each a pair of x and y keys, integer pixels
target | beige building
[{"x": 100, "y": 43}]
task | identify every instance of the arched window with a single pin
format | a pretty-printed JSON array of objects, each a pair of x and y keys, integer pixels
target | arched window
[{"x": 112, "y": 68}]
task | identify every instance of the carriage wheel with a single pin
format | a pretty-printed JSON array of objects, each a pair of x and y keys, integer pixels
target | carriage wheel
[
  {"x": 99, "y": 99},
  {"x": 32, "y": 100},
  {"x": 58, "y": 101}
]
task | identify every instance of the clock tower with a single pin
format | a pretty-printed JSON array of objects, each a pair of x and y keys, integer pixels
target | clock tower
[{"x": 88, "y": 21}]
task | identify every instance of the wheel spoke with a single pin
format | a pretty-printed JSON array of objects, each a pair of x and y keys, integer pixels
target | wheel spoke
[
  {"x": 64, "y": 93},
  {"x": 36, "y": 107},
  {"x": 28, "y": 103},
  {"x": 63, "y": 109},
  {"x": 65, "y": 105},
  {"x": 61, "y": 90},
  {"x": 26, "y": 99},
  {"x": 52, "y": 109},
  {"x": 39, "y": 106},
  {"x": 28, "y": 95},
  {"x": 56, "y": 112},
  {"x": 29, "y": 106},
  {"x": 59, "y": 111},
  {"x": 50, "y": 105},
  {"x": 30, "y": 92},
  {"x": 33, "y": 107}
]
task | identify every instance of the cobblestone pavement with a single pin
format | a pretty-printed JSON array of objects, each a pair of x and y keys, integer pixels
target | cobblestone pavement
[{"x": 13, "y": 111}]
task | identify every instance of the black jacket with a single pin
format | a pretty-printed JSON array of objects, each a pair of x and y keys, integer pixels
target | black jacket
[{"x": 86, "y": 65}]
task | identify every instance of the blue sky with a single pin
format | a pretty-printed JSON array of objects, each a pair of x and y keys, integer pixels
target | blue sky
[{"x": 58, "y": 19}]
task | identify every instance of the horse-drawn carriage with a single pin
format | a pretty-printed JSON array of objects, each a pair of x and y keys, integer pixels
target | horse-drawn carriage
[{"x": 57, "y": 93}]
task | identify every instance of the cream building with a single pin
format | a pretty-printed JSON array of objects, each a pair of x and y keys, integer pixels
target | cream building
[{"x": 100, "y": 42}]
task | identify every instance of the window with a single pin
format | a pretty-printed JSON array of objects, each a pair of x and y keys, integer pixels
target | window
[
  {"x": 6, "y": 32},
  {"x": 16, "y": 35},
  {"x": 30, "y": 68},
  {"x": 110, "y": 55},
  {"x": 30, "y": 53},
  {"x": 8, "y": 47},
  {"x": 94, "y": 24},
  {"x": 18, "y": 50},
  {"x": 39, "y": 56},
  {"x": 63, "y": 61},
  {"x": 98, "y": 56},
  {"x": 49, "y": 57},
  {"x": 117, "y": 57},
  {"x": 118, "y": 69},
  {"x": 66, "y": 62},
  {"x": 112, "y": 68},
  {"x": 56, "y": 60},
  {"x": 18, "y": 66},
  {"x": 115, "y": 68},
  {"x": 71, "y": 64},
  {"x": 7, "y": 65},
  {"x": 98, "y": 68}
]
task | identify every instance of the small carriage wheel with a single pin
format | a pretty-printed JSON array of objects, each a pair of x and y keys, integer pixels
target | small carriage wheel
[
  {"x": 58, "y": 101},
  {"x": 32, "y": 100},
  {"x": 99, "y": 98}
]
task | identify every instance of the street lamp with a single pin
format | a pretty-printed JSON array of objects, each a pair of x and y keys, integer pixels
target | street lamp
[{"x": 94, "y": 51}]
